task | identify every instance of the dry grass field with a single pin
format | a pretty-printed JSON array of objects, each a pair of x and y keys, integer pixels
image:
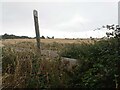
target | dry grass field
[{"x": 46, "y": 41}]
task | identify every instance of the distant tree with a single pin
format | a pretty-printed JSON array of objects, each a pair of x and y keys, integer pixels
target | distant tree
[
  {"x": 7, "y": 36},
  {"x": 48, "y": 37},
  {"x": 52, "y": 37},
  {"x": 91, "y": 38},
  {"x": 42, "y": 37}
]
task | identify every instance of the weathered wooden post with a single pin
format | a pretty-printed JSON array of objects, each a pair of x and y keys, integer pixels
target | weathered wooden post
[
  {"x": 35, "y": 69},
  {"x": 35, "y": 14}
]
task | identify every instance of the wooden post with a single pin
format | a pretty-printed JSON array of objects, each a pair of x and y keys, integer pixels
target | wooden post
[
  {"x": 35, "y": 14},
  {"x": 38, "y": 51}
]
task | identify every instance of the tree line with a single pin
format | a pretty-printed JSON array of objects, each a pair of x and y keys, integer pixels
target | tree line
[{"x": 11, "y": 36}]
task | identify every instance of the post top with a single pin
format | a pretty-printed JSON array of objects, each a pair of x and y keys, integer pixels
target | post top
[{"x": 35, "y": 13}]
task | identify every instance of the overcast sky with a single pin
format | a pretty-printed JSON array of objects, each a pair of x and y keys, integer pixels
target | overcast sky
[{"x": 59, "y": 19}]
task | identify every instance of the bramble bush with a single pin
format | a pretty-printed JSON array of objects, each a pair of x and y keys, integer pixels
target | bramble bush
[{"x": 98, "y": 64}]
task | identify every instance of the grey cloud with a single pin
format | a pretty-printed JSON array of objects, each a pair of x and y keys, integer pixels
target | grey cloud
[{"x": 19, "y": 15}]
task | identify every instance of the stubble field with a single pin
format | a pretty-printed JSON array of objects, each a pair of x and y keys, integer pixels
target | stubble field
[{"x": 47, "y": 41}]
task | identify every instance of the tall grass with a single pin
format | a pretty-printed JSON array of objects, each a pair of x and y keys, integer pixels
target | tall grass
[{"x": 23, "y": 67}]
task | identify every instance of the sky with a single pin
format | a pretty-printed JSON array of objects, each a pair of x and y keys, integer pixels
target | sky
[{"x": 62, "y": 19}]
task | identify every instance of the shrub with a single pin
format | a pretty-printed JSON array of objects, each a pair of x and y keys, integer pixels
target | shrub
[{"x": 98, "y": 66}]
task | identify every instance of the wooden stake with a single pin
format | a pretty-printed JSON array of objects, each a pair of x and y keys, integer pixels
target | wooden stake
[{"x": 35, "y": 14}]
